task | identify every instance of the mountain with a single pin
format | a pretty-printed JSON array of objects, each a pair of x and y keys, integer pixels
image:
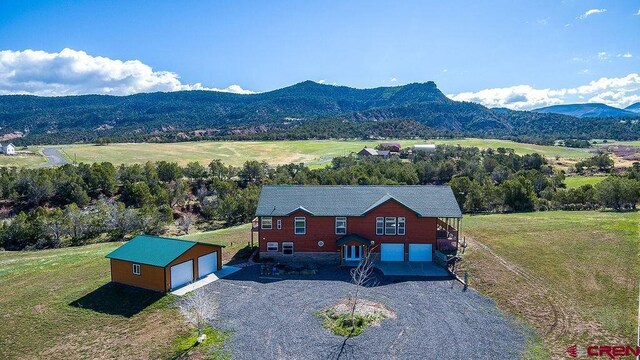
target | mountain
[
  {"x": 594, "y": 110},
  {"x": 635, "y": 108},
  {"x": 300, "y": 111}
]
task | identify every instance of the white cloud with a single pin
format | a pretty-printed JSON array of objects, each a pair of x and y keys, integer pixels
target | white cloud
[
  {"x": 322, "y": 81},
  {"x": 638, "y": 13},
  {"x": 619, "y": 92},
  {"x": 602, "y": 55},
  {"x": 591, "y": 12},
  {"x": 71, "y": 72},
  {"x": 393, "y": 79},
  {"x": 627, "y": 55}
]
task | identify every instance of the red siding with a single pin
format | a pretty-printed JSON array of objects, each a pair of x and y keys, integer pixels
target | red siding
[{"x": 418, "y": 230}]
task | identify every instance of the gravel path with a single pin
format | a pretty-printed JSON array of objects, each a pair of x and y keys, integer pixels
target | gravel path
[
  {"x": 274, "y": 318},
  {"x": 54, "y": 158}
]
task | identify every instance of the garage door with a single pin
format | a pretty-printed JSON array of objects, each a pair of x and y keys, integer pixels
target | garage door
[
  {"x": 181, "y": 274},
  {"x": 392, "y": 252},
  {"x": 207, "y": 264},
  {"x": 420, "y": 252}
]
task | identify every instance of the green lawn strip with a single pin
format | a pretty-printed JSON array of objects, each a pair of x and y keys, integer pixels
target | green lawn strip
[
  {"x": 341, "y": 323},
  {"x": 590, "y": 257},
  {"x": 234, "y": 238},
  {"x": 577, "y": 181}
]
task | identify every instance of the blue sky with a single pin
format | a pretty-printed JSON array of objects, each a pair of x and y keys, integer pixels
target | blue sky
[{"x": 509, "y": 49}]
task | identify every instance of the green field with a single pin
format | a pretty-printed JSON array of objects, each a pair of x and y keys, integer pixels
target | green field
[
  {"x": 311, "y": 152},
  {"x": 577, "y": 181},
  {"x": 22, "y": 160},
  {"x": 55, "y": 305},
  {"x": 571, "y": 275}
]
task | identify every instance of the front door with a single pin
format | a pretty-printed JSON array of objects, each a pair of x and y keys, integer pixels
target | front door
[{"x": 353, "y": 252}]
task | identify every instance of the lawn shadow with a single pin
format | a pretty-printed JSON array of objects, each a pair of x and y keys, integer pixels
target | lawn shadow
[
  {"x": 241, "y": 256},
  {"x": 118, "y": 299}
]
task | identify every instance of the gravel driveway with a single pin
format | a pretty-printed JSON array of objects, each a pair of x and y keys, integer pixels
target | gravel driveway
[{"x": 274, "y": 318}]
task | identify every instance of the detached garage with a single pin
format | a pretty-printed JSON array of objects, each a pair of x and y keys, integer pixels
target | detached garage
[{"x": 163, "y": 264}]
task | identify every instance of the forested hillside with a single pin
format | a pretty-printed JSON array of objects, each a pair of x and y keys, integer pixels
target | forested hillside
[{"x": 302, "y": 111}]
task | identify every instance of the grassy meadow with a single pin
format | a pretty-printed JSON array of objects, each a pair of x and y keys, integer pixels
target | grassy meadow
[
  {"x": 571, "y": 275},
  {"x": 22, "y": 160},
  {"x": 310, "y": 152},
  {"x": 56, "y": 304},
  {"x": 577, "y": 181}
]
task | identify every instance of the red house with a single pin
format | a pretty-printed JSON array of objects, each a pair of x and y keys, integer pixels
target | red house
[{"x": 340, "y": 223}]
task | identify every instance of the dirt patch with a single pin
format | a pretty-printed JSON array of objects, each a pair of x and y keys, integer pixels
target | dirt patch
[{"x": 363, "y": 308}]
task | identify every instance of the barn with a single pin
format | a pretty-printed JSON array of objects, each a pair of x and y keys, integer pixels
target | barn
[{"x": 163, "y": 264}]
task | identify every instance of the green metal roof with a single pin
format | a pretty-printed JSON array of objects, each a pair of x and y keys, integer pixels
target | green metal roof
[
  {"x": 151, "y": 250},
  {"x": 353, "y": 237},
  {"x": 350, "y": 200}
]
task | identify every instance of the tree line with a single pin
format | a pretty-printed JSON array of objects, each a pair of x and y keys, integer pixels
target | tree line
[{"x": 73, "y": 205}]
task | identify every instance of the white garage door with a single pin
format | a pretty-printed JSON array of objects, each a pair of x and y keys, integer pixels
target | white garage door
[
  {"x": 181, "y": 274},
  {"x": 207, "y": 264},
  {"x": 420, "y": 252},
  {"x": 392, "y": 252}
]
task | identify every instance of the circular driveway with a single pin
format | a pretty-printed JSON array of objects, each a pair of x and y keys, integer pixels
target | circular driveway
[{"x": 275, "y": 318}]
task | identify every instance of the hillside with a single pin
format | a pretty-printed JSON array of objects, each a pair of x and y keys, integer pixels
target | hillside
[
  {"x": 302, "y": 111},
  {"x": 589, "y": 111},
  {"x": 634, "y": 108}
]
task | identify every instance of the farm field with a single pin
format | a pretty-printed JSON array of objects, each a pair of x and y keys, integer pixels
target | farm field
[
  {"x": 577, "y": 181},
  {"x": 310, "y": 152},
  {"x": 571, "y": 275},
  {"x": 22, "y": 160},
  {"x": 55, "y": 305}
]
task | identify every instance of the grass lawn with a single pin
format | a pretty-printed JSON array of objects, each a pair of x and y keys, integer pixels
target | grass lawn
[
  {"x": 235, "y": 239},
  {"x": 310, "y": 152},
  {"x": 572, "y": 275},
  {"x": 56, "y": 304},
  {"x": 577, "y": 181},
  {"x": 22, "y": 160}
]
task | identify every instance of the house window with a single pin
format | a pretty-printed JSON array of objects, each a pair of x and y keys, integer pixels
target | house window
[
  {"x": 267, "y": 223},
  {"x": 287, "y": 248},
  {"x": 279, "y": 222},
  {"x": 380, "y": 226},
  {"x": 136, "y": 269},
  {"x": 341, "y": 225},
  {"x": 300, "y": 227},
  {"x": 401, "y": 226},
  {"x": 390, "y": 226},
  {"x": 272, "y": 247}
]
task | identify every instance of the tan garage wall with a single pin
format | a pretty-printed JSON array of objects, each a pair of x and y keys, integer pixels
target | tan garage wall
[
  {"x": 193, "y": 254},
  {"x": 151, "y": 277}
]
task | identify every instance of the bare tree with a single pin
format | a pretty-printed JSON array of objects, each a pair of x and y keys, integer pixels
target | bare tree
[
  {"x": 199, "y": 308},
  {"x": 185, "y": 222},
  {"x": 361, "y": 276}
]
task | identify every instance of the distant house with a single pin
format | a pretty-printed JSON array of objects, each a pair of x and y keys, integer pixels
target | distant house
[
  {"x": 393, "y": 147},
  {"x": 8, "y": 149},
  {"x": 163, "y": 264},
  {"x": 373, "y": 152}
]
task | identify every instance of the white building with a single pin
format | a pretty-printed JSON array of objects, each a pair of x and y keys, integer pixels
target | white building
[
  {"x": 424, "y": 147},
  {"x": 9, "y": 149}
]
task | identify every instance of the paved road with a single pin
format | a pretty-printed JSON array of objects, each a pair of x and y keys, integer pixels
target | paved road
[
  {"x": 54, "y": 158},
  {"x": 274, "y": 318}
]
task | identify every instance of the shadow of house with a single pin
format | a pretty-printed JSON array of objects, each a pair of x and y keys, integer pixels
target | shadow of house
[{"x": 118, "y": 299}]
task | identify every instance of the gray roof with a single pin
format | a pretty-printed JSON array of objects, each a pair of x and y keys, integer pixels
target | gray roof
[{"x": 356, "y": 200}]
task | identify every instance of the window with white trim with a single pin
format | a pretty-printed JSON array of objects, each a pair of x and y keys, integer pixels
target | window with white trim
[
  {"x": 136, "y": 269},
  {"x": 341, "y": 226},
  {"x": 379, "y": 226},
  {"x": 272, "y": 246},
  {"x": 389, "y": 226},
  {"x": 401, "y": 226},
  {"x": 287, "y": 248},
  {"x": 267, "y": 223},
  {"x": 300, "y": 226},
  {"x": 279, "y": 222}
]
